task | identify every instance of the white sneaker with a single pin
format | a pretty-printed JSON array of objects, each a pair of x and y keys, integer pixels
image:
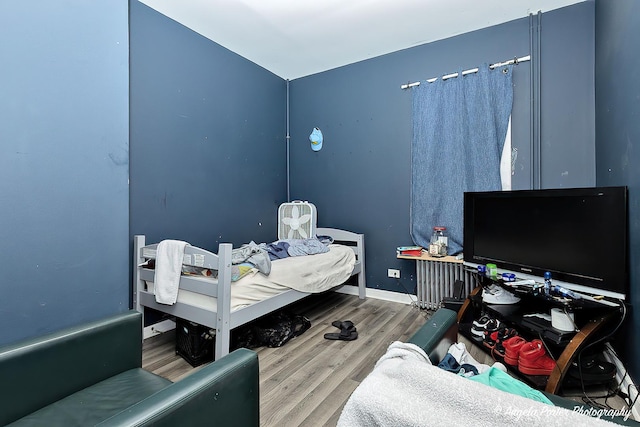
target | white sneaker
[
  {"x": 461, "y": 354},
  {"x": 500, "y": 366},
  {"x": 499, "y": 296}
]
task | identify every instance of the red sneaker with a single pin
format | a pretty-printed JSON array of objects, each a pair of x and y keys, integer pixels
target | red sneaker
[
  {"x": 512, "y": 348},
  {"x": 498, "y": 351},
  {"x": 534, "y": 360},
  {"x": 492, "y": 339}
]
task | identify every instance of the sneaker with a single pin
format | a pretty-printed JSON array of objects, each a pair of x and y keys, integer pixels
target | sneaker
[
  {"x": 499, "y": 296},
  {"x": 498, "y": 350},
  {"x": 481, "y": 322},
  {"x": 512, "y": 348},
  {"x": 478, "y": 332},
  {"x": 463, "y": 357},
  {"x": 534, "y": 360},
  {"x": 499, "y": 366},
  {"x": 491, "y": 340}
]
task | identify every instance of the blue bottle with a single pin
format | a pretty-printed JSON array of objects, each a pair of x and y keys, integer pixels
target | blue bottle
[
  {"x": 547, "y": 283},
  {"x": 566, "y": 292},
  {"x": 482, "y": 275}
]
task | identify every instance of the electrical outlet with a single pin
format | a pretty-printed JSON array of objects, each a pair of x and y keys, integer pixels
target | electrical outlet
[{"x": 393, "y": 273}]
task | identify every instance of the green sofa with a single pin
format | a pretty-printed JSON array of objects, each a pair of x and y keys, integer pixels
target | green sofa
[
  {"x": 441, "y": 330},
  {"x": 92, "y": 375}
]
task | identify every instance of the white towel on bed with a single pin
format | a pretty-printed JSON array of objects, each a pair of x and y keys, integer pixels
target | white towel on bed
[{"x": 169, "y": 256}]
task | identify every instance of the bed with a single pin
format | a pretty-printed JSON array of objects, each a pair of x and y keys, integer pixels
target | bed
[{"x": 223, "y": 305}]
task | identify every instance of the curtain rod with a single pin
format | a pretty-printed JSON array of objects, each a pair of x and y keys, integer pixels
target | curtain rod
[{"x": 473, "y": 70}]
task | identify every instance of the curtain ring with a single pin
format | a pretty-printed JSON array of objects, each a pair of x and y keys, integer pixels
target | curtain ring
[{"x": 505, "y": 70}]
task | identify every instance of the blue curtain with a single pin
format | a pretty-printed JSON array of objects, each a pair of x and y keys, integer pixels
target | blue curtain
[{"x": 459, "y": 129}]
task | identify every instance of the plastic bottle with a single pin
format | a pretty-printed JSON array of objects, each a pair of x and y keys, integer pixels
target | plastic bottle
[
  {"x": 482, "y": 275},
  {"x": 547, "y": 283},
  {"x": 566, "y": 292},
  {"x": 492, "y": 271}
]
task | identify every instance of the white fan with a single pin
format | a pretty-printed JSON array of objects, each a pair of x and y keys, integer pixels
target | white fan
[{"x": 297, "y": 220}]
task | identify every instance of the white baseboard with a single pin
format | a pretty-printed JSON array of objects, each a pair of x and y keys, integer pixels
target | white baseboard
[
  {"x": 380, "y": 294},
  {"x": 158, "y": 328}
]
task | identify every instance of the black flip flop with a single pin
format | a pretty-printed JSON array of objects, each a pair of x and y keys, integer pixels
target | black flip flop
[
  {"x": 347, "y": 332},
  {"x": 346, "y": 324}
]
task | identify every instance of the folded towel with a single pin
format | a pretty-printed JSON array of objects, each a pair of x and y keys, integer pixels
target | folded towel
[{"x": 169, "y": 256}]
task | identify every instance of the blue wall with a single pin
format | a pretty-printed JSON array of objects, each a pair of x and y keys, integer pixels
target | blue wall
[
  {"x": 568, "y": 97},
  {"x": 360, "y": 180},
  {"x": 618, "y": 135},
  {"x": 208, "y": 151},
  {"x": 64, "y": 161},
  {"x": 207, "y": 127}
]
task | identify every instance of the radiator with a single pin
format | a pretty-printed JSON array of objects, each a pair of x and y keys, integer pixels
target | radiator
[{"x": 435, "y": 279}]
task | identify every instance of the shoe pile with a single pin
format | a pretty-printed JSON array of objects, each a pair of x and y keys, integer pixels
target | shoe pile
[{"x": 506, "y": 345}]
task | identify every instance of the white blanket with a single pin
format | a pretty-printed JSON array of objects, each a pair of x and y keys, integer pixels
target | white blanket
[
  {"x": 309, "y": 273},
  {"x": 404, "y": 389},
  {"x": 169, "y": 257}
]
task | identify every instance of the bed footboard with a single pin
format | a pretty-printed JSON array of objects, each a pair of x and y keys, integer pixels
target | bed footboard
[
  {"x": 356, "y": 242},
  {"x": 220, "y": 289}
]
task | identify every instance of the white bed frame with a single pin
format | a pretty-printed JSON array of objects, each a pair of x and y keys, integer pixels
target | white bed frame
[{"x": 223, "y": 319}]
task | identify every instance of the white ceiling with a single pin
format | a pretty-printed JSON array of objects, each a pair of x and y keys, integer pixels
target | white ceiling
[{"x": 296, "y": 38}]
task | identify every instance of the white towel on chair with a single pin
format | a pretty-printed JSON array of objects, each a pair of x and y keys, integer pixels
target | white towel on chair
[{"x": 169, "y": 256}]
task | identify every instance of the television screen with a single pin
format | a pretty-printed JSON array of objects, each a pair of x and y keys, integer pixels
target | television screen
[{"x": 579, "y": 235}]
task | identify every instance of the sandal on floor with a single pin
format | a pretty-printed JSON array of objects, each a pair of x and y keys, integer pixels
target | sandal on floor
[
  {"x": 348, "y": 336},
  {"x": 346, "y": 324},
  {"x": 347, "y": 332}
]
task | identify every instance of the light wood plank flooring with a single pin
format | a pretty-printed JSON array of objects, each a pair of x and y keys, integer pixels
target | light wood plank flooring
[{"x": 308, "y": 380}]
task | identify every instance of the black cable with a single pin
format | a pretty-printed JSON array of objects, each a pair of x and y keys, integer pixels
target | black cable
[
  {"x": 408, "y": 293},
  {"x": 603, "y": 338},
  {"x": 632, "y": 404},
  {"x": 626, "y": 396},
  {"x": 605, "y": 405}
]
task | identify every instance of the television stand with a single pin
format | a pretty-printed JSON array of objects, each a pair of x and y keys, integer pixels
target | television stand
[{"x": 565, "y": 346}]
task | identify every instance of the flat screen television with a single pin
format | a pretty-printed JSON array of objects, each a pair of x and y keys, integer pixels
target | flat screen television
[{"x": 579, "y": 235}]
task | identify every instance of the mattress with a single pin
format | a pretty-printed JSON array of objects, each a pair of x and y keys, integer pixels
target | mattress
[{"x": 309, "y": 273}]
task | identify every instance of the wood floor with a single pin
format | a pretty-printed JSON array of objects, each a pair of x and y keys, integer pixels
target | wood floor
[{"x": 307, "y": 381}]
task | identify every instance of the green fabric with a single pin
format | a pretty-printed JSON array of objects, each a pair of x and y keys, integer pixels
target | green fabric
[
  {"x": 437, "y": 334},
  {"x": 223, "y": 393},
  {"x": 45, "y": 369},
  {"x": 98, "y": 402},
  {"x": 501, "y": 380}
]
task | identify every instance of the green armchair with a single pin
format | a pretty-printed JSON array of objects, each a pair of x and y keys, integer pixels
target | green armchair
[{"x": 92, "y": 375}]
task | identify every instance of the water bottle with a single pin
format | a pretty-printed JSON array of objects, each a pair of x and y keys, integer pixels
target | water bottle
[
  {"x": 547, "y": 283},
  {"x": 482, "y": 275},
  {"x": 565, "y": 292}
]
